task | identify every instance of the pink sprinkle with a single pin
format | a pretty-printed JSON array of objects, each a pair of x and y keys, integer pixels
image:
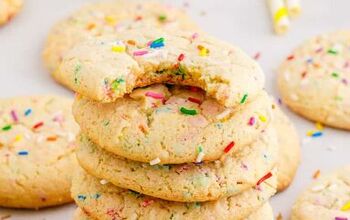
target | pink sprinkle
[
  {"x": 194, "y": 36},
  {"x": 341, "y": 218},
  {"x": 58, "y": 118},
  {"x": 155, "y": 95},
  {"x": 347, "y": 64},
  {"x": 14, "y": 116},
  {"x": 251, "y": 121},
  {"x": 140, "y": 53},
  {"x": 147, "y": 202},
  {"x": 319, "y": 50},
  {"x": 257, "y": 56}
]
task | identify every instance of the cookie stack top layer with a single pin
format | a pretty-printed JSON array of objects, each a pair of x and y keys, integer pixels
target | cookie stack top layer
[
  {"x": 109, "y": 17},
  {"x": 107, "y": 68}
]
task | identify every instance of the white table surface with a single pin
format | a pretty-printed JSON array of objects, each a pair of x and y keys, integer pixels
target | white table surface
[{"x": 245, "y": 23}]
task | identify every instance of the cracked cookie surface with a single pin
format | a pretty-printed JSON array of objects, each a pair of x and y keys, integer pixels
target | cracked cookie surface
[{"x": 37, "y": 140}]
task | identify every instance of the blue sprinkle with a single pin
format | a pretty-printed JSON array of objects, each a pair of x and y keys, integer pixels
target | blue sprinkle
[
  {"x": 96, "y": 196},
  {"x": 317, "y": 134},
  {"x": 23, "y": 153},
  {"x": 28, "y": 111},
  {"x": 309, "y": 60},
  {"x": 81, "y": 197},
  {"x": 157, "y": 44}
]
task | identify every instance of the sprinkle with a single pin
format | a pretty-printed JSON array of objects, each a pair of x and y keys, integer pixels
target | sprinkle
[
  {"x": 115, "y": 84},
  {"x": 335, "y": 75},
  {"x": 203, "y": 52},
  {"x": 181, "y": 57},
  {"x": 262, "y": 118},
  {"x": 340, "y": 218},
  {"x": 96, "y": 196},
  {"x": 155, "y": 95},
  {"x": 223, "y": 114},
  {"x": 14, "y": 116},
  {"x": 162, "y": 18},
  {"x": 257, "y": 56},
  {"x": 147, "y": 202},
  {"x": 200, "y": 155},
  {"x": 111, "y": 20},
  {"x": 319, "y": 50},
  {"x": 332, "y": 51},
  {"x": 316, "y": 174},
  {"x": 51, "y": 138},
  {"x": 316, "y": 134},
  {"x": 194, "y": 100},
  {"x": 81, "y": 197},
  {"x": 154, "y": 161},
  {"x": 140, "y": 53},
  {"x": 131, "y": 42},
  {"x": 319, "y": 126},
  {"x": 38, "y": 125},
  {"x": 251, "y": 121},
  {"x": 18, "y": 138},
  {"x": 195, "y": 36},
  {"x": 268, "y": 175},
  {"x": 244, "y": 98},
  {"x": 188, "y": 111},
  {"x": 103, "y": 182},
  {"x": 157, "y": 43},
  {"x": 6, "y": 127},
  {"x": 28, "y": 112},
  {"x": 22, "y": 153},
  {"x": 291, "y": 57},
  {"x": 346, "y": 206},
  {"x": 229, "y": 147},
  {"x": 118, "y": 48}
]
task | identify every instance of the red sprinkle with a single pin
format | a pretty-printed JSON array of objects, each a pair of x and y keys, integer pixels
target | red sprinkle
[
  {"x": 147, "y": 202},
  {"x": 257, "y": 56},
  {"x": 268, "y": 175},
  {"x": 193, "y": 89},
  {"x": 229, "y": 147},
  {"x": 191, "y": 99},
  {"x": 181, "y": 57},
  {"x": 291, "y": 57},
  {"x": 251, "y": 121},
  {"x": 38, "y": 125}
]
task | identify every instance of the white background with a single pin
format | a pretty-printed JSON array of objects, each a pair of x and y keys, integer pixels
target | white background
[{"x": 245, "y": 23}]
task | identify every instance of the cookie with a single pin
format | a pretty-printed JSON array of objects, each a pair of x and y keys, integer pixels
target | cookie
[
  {"x": 106, "y": 201},
  {"x": 106, "y": 68},
  {"x": 314, "y": 80},
  {"x": 289, "y": 149},
  {"x": 37, "y": 140},
  {"x": 234, "y": 173},
  {"x": 171, "y": 125},
  {"x": 263, "y": 213},
  {"x": 326, "y": 198},
  {"x": 8, "y": 9},
  {"x": 109, "y": 17}
]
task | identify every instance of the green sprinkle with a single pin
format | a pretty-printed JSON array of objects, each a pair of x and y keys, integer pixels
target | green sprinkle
[
  {"x": 335, "y": 75},
  {"x": 181, "y": 71},
  {"x": 188, "y": 111},
  {"x": 200, "y": 149},
  {"x": 159, "y": 40},
  {"x": 115, "y": 84},
  {"x": 244, "y": 98},
  {"x": 7, "y": 127},
  {"x": 332, "y": 51},
  {"x": 162, "y": 18},
  {"x": 106, "y": 123}
]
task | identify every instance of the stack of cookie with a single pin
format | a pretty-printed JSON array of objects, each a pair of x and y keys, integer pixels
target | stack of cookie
[{"x": 174, "y": 125}]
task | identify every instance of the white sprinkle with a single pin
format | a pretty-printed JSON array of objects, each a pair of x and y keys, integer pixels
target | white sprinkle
[
  {"x": 103, "y": 182},
  {"x": 200, "y": 157},
  {"x": 317, "y": 188},
  {"x": 223, "y": 114},
  {"x": 154, "y": 162}
]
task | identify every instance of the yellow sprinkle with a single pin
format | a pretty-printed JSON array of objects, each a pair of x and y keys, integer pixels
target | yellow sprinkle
[
  {"x": 310, "y": 133},
  {"x": 18, "y": 138},
  {"x": 319, "y": 126},
  {"x": 282, "y": 12},
  {"x": 118, "y": 48},
  {"x": 110, "y": 20},
  {"x": 262, "y": 118},
  {"x": 346, "y": 207},
  {"x": 203, "y": 52}
]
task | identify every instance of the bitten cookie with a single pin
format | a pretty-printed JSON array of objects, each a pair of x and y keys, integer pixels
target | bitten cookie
[
  {"x": 263, "y": 213},
  {"x": 107, "y": 68},
  {"x": 171, "y": 126},
  {"x": 327, "y": 198},
  {"x": 242, "y": 168},
  {"x": 289, "y": 149},
  {"x": 109, "y": 17},
  {"x": 314, "y": 80},
  {"x": 108, "y": 201},
  {"x": 8, "y": 9},
  {"x": 37, "y": 140}
]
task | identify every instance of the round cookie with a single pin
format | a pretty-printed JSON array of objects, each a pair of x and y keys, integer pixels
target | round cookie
[
  {"x": 106, "y": 68},
  {"x": 109, "y": 17},
  {"x": 37, "y": 141},
  {"x": 108, "y": 201},
  {"x": 171, "y": 126},
  {"x": 231, "y": 175},
  {"x": 8, "y": 9},
  {"x": 289, "y": 149},
  {"x": 263, "y": 213},
  {"x": 327, "y": 198},
  {"x": 314, "y": 80}
]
